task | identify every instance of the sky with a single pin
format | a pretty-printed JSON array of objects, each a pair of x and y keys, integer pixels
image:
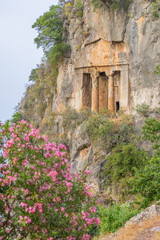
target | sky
[{"x": 18, "y": 53}]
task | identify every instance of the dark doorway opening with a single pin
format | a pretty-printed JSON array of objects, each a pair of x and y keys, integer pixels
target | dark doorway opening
[
  {"x": 117, "y": 106},
  {"x": 102, "y": 74}
]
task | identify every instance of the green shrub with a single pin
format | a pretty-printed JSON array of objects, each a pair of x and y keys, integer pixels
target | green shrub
[
  {"x": 97, "y": 125},
  {"x": 79, "y": 7},
  {"x": 79, "y": 14},
  {"x": 78, "y": 4},
  {"x": 115, "y": 216},
  {"x": 96, "y": 3},
  {"x": 68, "y": 10},
  {"x": 112, "y": 4},
  {"x": 16, "y": 117},
  {"x": 146, "y": 181},
  {"x": 123, "y": 162},
  {"x": 41, "y": 109},
  {"x": 142, "y": 109},
  {"x": 151, "y": 132},
  {"x": 155, "y": 11},
  {"x": 37, "y": 91},
  {"x": 157, "y": 70},
  {"x": 72, "y": 118},
  {"x": 68, "y": 7},
  {"x": 107, "y": 134}
]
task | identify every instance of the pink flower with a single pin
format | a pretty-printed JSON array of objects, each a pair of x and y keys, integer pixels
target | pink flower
[
  {"x": 53, "y": 174},
  {"x": 62, "y": 209},
  {"x": 86, "y": 237},
  {"x": 97, "y": 221},
  {"x": 26, "y": 138},
  {"x": 85, "y": 226},
  {"x": 23, "y": 122},
  {"x": 11, "y": 129},
  {"x": 28, "y": 220},
  {"x": 5, "y": 153},
  {"x": 23, "y": 204},
  {"x": 20, "y": 219},
  {"x": 44, "y": 138}
]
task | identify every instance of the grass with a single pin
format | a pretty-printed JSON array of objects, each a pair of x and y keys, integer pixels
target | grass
[{"x": 139, "y": 231}]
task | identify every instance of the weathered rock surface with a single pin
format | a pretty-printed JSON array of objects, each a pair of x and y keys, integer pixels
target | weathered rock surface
[
  {"x": 105, "y": 41},
  {"x": 85, "y": 157},
  {"x": 148, "y": 213}
]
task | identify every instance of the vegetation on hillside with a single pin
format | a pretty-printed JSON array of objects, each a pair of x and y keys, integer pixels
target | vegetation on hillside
[
  {"x": 50, "y": 33},
  {"x": 112, "y": 4},
  {"x": 127, "y": 166},
  {"x": 115, "y": 5},
  {"x": 52, "y": 38}
]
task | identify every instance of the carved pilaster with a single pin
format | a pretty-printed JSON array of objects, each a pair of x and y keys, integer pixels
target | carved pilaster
[
  {"x": 110, "y": 93},
  {"x": 95, "y": 93}
]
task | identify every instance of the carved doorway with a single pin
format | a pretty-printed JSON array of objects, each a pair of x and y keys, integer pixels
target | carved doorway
[
  {"x": 116, "y": 78},
  {"x": 103, "y": 90}
]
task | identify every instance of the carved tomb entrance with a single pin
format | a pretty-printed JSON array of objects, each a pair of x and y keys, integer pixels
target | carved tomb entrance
[
  {"x": 100, "y": 91},
  {"x": 102, "y": 76}
]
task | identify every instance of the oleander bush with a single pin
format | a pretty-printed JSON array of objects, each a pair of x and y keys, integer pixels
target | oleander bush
[{"x": 39, "y": 196}]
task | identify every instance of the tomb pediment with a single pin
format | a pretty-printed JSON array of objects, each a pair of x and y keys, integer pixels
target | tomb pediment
[{"x": 101, "y": 52}]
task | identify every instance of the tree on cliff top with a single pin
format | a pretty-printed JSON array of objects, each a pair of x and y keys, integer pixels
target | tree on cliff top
[{"x": 50, "y": 33}]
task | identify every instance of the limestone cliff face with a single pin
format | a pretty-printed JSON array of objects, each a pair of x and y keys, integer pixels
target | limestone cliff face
[
  {"x": 105, "y": 44},
  {"x": 112, "y": 63}
]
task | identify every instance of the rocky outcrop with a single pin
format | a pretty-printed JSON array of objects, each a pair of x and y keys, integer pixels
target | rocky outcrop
[
  {"x": 107, "y": 42},
  {"x": 84, "y": 156},
  {"x": 148, "y": 213},
  {"x": 112, "y": 63}
]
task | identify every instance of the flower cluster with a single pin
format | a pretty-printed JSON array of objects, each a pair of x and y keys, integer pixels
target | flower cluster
[{"x": 39, "y": 196}]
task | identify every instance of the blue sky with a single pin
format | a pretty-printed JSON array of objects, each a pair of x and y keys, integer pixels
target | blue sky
[{"x": 18, "y": 53}]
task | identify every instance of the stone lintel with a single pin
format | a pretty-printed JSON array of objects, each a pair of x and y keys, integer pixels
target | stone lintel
[{"x": 102, "y": 66}]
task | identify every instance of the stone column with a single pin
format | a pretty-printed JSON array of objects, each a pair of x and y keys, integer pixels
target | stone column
[
  {"x": 103, "y": 92},
  {"x": 95, "y": 93},
  {"x": 110, "y": 93}
]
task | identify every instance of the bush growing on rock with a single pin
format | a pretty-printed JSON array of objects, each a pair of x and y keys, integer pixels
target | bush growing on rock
[{"x": 39, "y": 196}]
